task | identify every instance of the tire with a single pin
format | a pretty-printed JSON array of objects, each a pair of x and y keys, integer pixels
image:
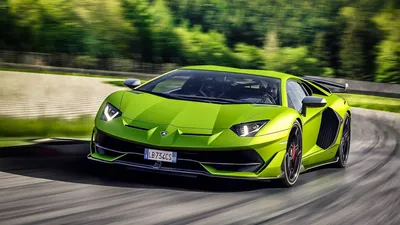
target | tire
[
  {"x": 293, "y": 158},
  {"x": 344, "y": 147}
]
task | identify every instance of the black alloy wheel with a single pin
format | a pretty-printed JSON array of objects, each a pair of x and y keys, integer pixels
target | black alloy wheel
[
  {"x": 293, "y": 157},
  {"x": 344, "y": 147}
]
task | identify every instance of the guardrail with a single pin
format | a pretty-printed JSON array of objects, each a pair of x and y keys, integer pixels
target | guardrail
[{"x": 356, "y": 87}]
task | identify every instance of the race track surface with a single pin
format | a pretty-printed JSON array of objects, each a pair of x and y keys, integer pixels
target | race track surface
[
  {"x": 57, "y": 185},
  {"x": 28, "y": 95}
]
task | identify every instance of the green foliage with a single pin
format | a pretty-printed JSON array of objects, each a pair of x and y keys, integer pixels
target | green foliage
[
  {"x": 249, "y": 57},
  {"x": 107, "y": 33},
  {"x": 294, "y": 61},
  {"x": 372, "y": 102},
  {"x": 354, "y": 39},
  {"x": 319, "y": 49},
  {"x": 166, "y": 41},
  {"x": 352, "y": 57},
  {"x": 388, "y": 59},
  {"x": 357, "y": 54},
  {"x": 45, "y": 127},
  {"x": 204, "y": 48},
  {"x": 328, "y": 72},
  {"x": 137, "y": 14}
]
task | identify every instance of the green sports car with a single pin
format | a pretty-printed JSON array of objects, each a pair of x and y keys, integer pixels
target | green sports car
[{"x": 224, "y": 122}]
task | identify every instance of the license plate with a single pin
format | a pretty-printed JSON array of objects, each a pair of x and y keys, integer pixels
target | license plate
[{"x": 157, "y": 155}]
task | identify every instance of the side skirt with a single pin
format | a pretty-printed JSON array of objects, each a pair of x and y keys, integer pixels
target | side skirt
[{"x": 303, "y": 169}]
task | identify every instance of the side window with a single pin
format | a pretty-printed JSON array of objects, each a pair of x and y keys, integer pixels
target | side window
[
  {"x": 307, "y": 89},
  {"x": 295, "y": 94}
]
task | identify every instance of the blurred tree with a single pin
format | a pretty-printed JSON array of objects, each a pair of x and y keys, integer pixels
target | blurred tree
[
  {"x": 27, "y": 20},
  {"x": 61, "y": 29},
  {"x": 249, "y": 57},
  {"x": 294, "y": 61},
  {"x": 166, "y": 42},
  {"x": 271, "y": 44},
  {"x": 137, "y": 13},
  {"x": 319, "y": 49},
  {"x": 107, "y": 33},
  {"x": 305, "y": 37},
  {"x": 388, "y": 59},
  {"x": 352, "y": 55},
  {"x": 204, "y": 48},
  {"x": 7, "y": 28}
]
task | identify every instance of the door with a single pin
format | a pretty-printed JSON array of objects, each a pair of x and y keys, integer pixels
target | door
[{"x": 311, "y": 122}]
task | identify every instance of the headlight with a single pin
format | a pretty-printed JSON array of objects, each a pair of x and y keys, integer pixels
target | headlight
[
  {"x": 248, "y": 129},
  {"x": 110, "y": 112}
]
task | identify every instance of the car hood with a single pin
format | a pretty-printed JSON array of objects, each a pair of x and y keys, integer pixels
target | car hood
[{"x": 145, "y": 110}]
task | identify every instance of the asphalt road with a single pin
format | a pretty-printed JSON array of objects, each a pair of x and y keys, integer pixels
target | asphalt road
[
  {"x": 56, "y": 185},
  {"x": 29, "y": 95}
]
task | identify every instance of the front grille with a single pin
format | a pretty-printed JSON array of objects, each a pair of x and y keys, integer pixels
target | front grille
[{"x": 187, "y": 159}]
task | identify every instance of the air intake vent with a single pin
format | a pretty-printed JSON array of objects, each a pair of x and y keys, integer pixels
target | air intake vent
[{"x": 330, "y": 125}]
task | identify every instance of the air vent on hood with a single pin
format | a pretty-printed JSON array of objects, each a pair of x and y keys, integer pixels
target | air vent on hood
[
  {"x": 135, "y": 127},
  {"x": 191, "y": 134}
]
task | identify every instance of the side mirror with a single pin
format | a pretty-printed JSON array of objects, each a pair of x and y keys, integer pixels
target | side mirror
[
  {"x": 132, "y": 82},
  {"x": 313, "y": 102}
]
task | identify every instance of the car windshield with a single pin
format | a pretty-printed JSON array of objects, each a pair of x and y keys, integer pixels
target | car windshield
[{"x": 216, "y": 87}]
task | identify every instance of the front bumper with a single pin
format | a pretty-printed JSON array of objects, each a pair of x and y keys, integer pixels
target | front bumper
[{"x": 236, "y": 164}]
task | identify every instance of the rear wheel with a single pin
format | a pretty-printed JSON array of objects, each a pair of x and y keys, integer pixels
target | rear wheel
[
  {"x": 344, "y": 147},
  {"x": 293, "y": 158}
]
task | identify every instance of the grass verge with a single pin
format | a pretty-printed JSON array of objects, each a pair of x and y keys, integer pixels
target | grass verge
[
  {"x": 372, "y": 102},
  {"x": 46, "y": 127}
]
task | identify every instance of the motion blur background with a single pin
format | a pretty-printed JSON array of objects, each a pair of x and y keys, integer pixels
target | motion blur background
[
  {"x": 59, "y": 59},
  {"x": 353, "y": 39}
]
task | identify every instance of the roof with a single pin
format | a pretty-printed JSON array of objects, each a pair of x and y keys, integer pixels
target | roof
[{"x": 266, "y": 73}]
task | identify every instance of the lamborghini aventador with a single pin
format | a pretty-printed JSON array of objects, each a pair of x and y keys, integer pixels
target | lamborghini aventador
[{"x": 224, "y": 122}]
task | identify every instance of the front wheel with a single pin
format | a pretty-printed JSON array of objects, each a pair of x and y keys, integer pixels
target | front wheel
[{"x": 293, "y": 158}]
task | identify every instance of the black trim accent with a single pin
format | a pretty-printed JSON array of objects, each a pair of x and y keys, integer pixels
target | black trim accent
[
  {"x": 180, "y": 164},
  {"x": 178, "y": 172},
  {"x": 321, "y": 82},
  {"x": 135, "y": 127},
  {"x": 320, "y": 164},
  {"x": 192, "y": 134},
  {"x": 108, "y": 152},
  {"x": 329, "y": 129},
  {"x": 92, "y": 147},
  {"x": 227, "y": 160}
]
